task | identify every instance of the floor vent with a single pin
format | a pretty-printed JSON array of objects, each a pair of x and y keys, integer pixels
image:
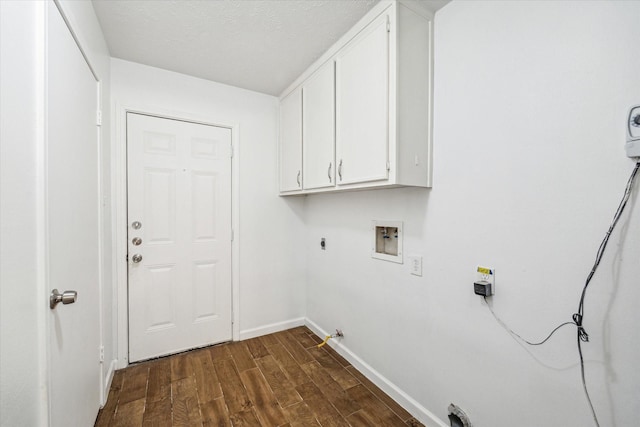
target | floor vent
[{"x": 457, "y": 417}]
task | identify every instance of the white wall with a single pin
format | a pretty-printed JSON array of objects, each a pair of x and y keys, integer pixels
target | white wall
[
  {"x": 21, "y": 375},
  {"x": 271, "y": 260},
  {"x": 529, "y": 166},
  {"x": 23, "y": 299}
]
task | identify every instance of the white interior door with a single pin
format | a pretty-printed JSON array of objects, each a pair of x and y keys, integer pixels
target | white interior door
[
  {"x": 179, "y": 191},
  {"x": 72, "y": 228}
]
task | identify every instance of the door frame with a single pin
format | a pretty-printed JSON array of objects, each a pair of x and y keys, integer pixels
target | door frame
[{"x": 119, "y": 214}]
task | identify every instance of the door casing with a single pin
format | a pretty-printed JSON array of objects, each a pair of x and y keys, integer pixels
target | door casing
[{"x": 119, "y": 213}]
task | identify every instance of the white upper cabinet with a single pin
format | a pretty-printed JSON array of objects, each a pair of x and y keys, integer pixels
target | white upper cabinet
[
  {"x": 318, "y": 128},
  {"x": 367, "y": 106},
  {"x": 362, "y": 106},
  {"x": 291, "y": 142}
]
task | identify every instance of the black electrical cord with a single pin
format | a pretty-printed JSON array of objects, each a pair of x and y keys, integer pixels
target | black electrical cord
[
  {"x": 578, "y": 317},
  {"x": 504, "y": 325}
]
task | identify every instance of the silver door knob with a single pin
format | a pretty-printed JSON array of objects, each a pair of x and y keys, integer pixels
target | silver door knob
[
  {"x": 136, "y": 241},
  {"x": 136, "y": 258},
  {"x": 136, "y": 225},
  {"x": 67, "y": 297}
]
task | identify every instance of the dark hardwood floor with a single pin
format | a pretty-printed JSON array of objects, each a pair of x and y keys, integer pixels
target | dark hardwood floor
[{"x": 282, "y": 379}]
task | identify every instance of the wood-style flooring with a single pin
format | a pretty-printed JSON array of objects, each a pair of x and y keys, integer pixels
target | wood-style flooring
[{"x": 282, "y": 379}]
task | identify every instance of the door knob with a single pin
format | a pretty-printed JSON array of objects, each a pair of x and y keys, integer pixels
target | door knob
[
  {"x": 67, "y": 297},
  {"x": 136, "y": 241},
  {"x": 136, "y": 225},
  {"x": 136, "y": 258}
]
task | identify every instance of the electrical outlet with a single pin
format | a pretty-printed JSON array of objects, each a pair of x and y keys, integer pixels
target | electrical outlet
[
  {"x": 486, "y": 274},
  {"x": 415, "y": 263}
]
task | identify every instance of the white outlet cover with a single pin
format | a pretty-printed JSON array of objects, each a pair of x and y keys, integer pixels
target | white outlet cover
[{"x": 415, "y": 264}]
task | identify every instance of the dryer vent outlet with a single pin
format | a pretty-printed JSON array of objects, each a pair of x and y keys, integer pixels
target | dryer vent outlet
[{"x": 457, "y": 417}]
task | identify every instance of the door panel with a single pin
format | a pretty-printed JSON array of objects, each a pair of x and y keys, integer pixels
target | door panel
[
  {"x": 161, "y": 183},
  {"x": 291, "y": 142},
  {"x": 318, "y": 129},
  {"x": 362, "y": 106},
  {"x": 72, "y": 228},
  {"x": 179, "y": 189},
  {"x": 204, "y": 212},
  {"x": 161, "y": 281}
]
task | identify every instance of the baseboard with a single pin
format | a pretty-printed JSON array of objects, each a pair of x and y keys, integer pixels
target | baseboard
[
  {"x": 109, "y": 380},
  {"x": 407, "y": 402},
  {"x": 271, "y": 328}
]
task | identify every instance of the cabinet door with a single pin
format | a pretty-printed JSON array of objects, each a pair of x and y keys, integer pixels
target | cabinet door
[
  {"x": 362, "y": 106},
  {"x": 318, "y": 128},
  {"x": 291, "y": 142}
]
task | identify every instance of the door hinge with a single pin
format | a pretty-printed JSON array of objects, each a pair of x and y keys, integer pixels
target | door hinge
[
  {"x": 388, "y": 25},
  {"x": 232, "y": 151},
  {"x": 232, "y": 235},
  {"x": 101, "y": 354},
  {"x": 388, "y": 166},
  {"x": 99, "y": 118},
  {"x": 126, "y": 257}
]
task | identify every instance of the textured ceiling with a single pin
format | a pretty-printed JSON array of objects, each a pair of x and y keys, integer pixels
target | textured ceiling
[{"x": 261, "y": 45}]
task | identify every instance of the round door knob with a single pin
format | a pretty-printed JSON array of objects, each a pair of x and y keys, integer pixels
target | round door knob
[
  {"x": 136, "y": 258},
  {"x": 67, "y": 297},
  {"x": 136, "y": 241}
]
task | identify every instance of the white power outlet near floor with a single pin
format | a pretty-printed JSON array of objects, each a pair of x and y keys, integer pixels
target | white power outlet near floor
[{"x": 415, "y": 263}]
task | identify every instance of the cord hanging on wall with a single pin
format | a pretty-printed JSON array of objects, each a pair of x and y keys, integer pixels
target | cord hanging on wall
[{"x": 578, "y": 318}]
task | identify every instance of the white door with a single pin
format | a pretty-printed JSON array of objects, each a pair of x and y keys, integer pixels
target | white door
[
  {"x": 72, "y": 247},
  {"x": 318, "y": 128},
  {"x": 291, "y": 142},
  {"x": 179, "y": 194},
  {"x": 362, "y": 106}
]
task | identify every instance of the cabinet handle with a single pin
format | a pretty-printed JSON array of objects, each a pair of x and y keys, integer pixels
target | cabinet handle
[
  {"x": 329, "y": 172},
  {"x": 298, "y": 178},
  {"x": 340, "y": 170}
]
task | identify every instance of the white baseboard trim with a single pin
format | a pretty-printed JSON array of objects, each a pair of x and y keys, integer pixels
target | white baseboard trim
[
  {"x": 271, "y": 328},
  {"x": 407, "y": 402},
  {"x": 109, "y": 380}
]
